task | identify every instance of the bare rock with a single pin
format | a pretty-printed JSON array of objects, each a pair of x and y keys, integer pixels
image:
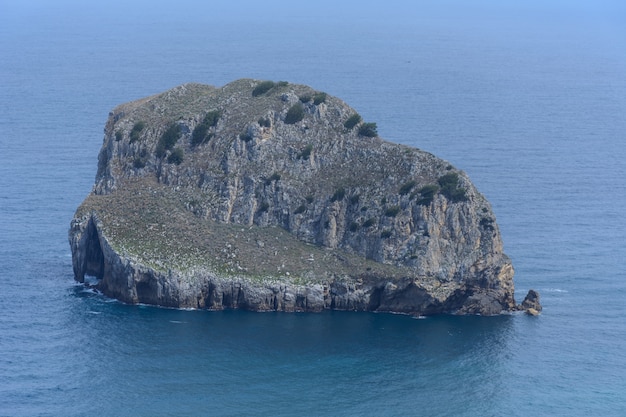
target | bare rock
[
  {"x": 531, "y": 303},
  {"x": 532, "y": 312}
]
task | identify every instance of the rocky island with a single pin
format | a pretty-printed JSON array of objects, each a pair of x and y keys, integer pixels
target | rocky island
[{"x": 277, "y": 197}]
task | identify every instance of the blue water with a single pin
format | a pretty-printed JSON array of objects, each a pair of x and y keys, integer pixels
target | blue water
[{"x": 529, "y": 99}]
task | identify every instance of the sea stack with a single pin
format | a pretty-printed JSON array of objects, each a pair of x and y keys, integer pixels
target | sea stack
[{"x": 272, "y": 196}]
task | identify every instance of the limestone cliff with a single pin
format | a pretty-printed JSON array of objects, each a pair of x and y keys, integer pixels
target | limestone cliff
[{"x": 274, "y": 196}]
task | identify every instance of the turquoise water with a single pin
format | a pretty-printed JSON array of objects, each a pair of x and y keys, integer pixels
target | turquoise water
[{"x": 528, "y": 99}]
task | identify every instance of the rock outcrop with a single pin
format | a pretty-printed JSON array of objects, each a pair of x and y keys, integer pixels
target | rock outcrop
[
  {"x": 531, "y": 303},
  {"x": 274, "y": 196}
]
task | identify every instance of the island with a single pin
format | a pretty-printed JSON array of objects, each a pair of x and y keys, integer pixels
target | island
[{"x": 274, "y": 196}]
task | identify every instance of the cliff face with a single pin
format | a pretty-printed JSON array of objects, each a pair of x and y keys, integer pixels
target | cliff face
[{"x": 277, "y": 197}]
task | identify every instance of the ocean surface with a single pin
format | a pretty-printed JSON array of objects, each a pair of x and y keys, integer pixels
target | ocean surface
[{"x": 529, "y": 98}]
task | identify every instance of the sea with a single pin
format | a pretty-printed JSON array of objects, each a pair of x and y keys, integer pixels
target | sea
[{"x": 527, "y": 97}]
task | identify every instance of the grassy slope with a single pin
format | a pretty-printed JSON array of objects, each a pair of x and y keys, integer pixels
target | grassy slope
[{"x": 149, "y": 222}]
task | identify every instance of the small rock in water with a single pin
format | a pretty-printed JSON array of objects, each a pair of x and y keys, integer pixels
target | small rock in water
[{"x": 531, "y": 302}]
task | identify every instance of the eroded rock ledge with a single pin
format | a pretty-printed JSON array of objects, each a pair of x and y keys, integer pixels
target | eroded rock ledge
[{"x": 274, "y": 196}]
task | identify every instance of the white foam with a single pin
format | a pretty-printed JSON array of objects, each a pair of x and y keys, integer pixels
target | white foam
[
  {"x": 554, "y": 290},
  {"x": 88, "y": 290}
]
